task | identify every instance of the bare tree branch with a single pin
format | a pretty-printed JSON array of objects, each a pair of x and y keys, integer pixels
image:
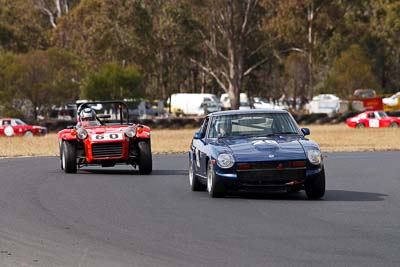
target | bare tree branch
[
  {"x": 249, "y": 70},
  {"x": 215, "y": 51},
  {"x": 58, "y": 8},
  {"x": 212, "y": 73}
]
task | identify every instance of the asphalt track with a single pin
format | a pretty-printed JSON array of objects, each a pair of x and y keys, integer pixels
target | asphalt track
[{"x": 115, "y": 217}]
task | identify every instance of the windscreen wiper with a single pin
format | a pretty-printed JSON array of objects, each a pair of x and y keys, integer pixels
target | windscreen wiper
[{"x": 282, "y": 133}]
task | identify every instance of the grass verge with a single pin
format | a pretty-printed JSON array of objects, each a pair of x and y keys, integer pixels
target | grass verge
[{"x": 331, "y": 138}]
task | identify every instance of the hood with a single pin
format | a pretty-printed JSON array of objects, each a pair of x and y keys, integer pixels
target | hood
[
  {"x": 102, "y": 133},
  {"x": 265, "y": 148},
  {"x": 103, "y": 129}
]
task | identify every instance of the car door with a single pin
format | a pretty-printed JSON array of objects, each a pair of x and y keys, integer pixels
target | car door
[
  {"x": 18, "y": 128},
  {"x": 6, "y": 128},
  {"x": 199, "y": 149},
  {"x": 373, "y": 121}
]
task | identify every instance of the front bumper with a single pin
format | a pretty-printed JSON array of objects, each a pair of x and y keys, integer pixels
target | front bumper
[{"x": 280, "y": 180}]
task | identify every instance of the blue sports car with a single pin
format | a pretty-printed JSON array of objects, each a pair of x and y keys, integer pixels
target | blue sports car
[{"x": 255, "y": 150}]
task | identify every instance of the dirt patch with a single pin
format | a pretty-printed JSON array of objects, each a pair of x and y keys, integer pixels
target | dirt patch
[{"x": 331, "y": 138}]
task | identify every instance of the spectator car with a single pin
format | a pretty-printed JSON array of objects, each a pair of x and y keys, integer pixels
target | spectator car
[
  {"x": 262, "y": 103},
  {"x": 16, "y": 127},
  {"x": 254, "y": 150},
  {"x": 373, "y": 119},
  {"x": 100, "y": 139}
]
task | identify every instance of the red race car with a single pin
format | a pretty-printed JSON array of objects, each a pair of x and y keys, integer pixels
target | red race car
[
  {"x": 105, "y": 139},
  {"x": 373, "y": 119},
  {"x": 16, "y": 127}
]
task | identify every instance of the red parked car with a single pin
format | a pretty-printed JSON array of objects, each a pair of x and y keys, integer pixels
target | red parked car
[
  {"x": 105, "y": 139},
  {"x": 16, "y": 127},
  {"x": 373, "y": 119}
]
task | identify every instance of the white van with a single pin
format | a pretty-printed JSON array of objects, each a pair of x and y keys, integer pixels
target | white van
[{"x": 194, "y": 104}]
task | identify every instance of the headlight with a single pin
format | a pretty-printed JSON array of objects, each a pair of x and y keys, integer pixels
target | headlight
[
  {"x": 314, "y": 156},
  {"x": 81, "y": 133},
  {"x": 130, "y": 131},
  {"x": 225, "y": 160}
]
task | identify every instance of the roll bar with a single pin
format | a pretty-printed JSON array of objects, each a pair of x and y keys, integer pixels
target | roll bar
[{"x": 122, "y": 106}]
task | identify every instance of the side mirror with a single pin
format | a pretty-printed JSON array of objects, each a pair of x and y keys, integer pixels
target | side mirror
[
  {"x": 305, "y": 131},
  {"x": 198, "y": 135}
]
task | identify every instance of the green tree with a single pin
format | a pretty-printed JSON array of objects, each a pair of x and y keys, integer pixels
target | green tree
[
  {"x": 22, "y": 28},
  {"x": 113, "y": 82},
  {"x": 43, "y": 78},
  {"x": 352, "y": 70},
  {"x": 104, "y": 31}
]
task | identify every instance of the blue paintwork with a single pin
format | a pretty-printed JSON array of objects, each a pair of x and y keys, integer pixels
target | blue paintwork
[{"x": 249, "y": 149}]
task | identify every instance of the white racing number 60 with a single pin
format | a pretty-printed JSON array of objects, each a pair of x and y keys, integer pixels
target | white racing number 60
[{"x": 111, "y": 136}]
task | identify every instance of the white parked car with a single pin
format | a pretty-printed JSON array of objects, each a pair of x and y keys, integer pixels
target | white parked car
[
  {"x": 226, "y": 102},
  {"x": 324, "y": 103},
  {"x": 262, "y": 103}
]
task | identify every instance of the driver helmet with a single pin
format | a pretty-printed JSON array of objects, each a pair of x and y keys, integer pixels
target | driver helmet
[{"x": 87, "y": 114}]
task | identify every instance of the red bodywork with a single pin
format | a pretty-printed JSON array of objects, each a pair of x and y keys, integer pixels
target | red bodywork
[
  {"x": 16, "y": 127},
  {"x": 374, "y": 103},
  {"x": 105, "y": 138},
  {"x": 105, "y": 135},
  {"x": 373, "y": 119},
  {"x": 369, "y": 99}
]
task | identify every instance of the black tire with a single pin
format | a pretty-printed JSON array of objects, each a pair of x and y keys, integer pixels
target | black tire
[
  {"x": 68, "y": 157},
  {"x": 145, "y": 159},
  {"x": 315, "y": 188},
  {"x": 394, "y": 125},
  {"x": 360, "y": 125},
  {"x": 215, "y": 186},
  {"x": 194, "y": 182}
]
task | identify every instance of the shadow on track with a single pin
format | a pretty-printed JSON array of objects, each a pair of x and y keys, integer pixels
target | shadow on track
[
  {"x": 330, "y": 195},
  {"x": 109, "y": 171},
  {"x": 133, "y": 172},
  {"x": 345, "y": 195},
  {"x": 170, "y": 172}
]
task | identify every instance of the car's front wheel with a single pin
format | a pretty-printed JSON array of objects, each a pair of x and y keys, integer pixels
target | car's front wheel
[
  {"x": 394, "y": 125},
  {"x": 215, "y": 186},
  {"x": 315, "y": 187},
  {"x": 195, "y": 185},
  {"x": 145, "y": 159},
  {"x": 68, "y": 157},
  {"x": 360, "y": 125}
]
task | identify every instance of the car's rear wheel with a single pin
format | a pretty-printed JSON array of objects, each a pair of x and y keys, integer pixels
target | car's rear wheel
[
  {"x": 360, "y": 125},
  {"x": 145, "y": 159},
  {"x": 195, "y": 185},
  {"x": 68, "y": 157},
  {"x": 394, "y": 125},
  {"x": 28, "y": 134},
  {"x": 315, "y": 187},
  {"x": 215, "y": 186}
]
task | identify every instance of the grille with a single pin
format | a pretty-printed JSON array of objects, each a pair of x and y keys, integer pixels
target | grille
[
  {"x": 271, "y": 164},
  {"x": 266, "y": 173},
  {"x": 107, "y": 150}
]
